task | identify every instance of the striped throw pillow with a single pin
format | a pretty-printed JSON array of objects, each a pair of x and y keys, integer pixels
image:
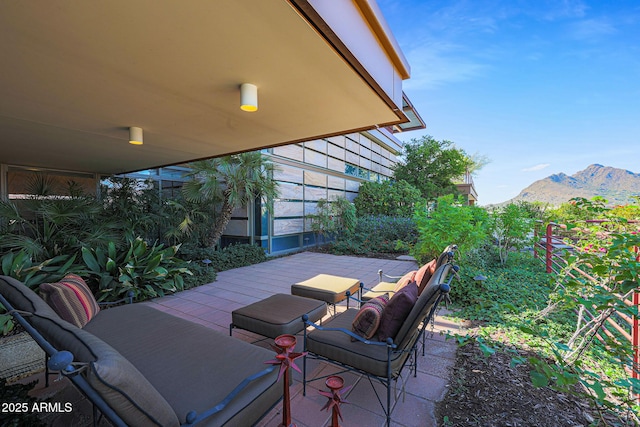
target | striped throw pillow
[
  {"x": 72, "y": 299},
  {"x": 368, "y": 318}
]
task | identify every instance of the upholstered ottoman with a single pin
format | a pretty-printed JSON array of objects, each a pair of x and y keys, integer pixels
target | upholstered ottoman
[
  {"x": 327, "y": 288},
  {"x": 277, "y": 315}
]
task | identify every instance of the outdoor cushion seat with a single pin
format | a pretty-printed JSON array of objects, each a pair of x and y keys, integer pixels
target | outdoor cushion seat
[
  {"x": 144, "y": 367},
  {"x": 164, "y": 354},
  {"x": 327, "y": 288},
  {"x": 277, "y": 315},
  {"x": 383, "y": 361}
]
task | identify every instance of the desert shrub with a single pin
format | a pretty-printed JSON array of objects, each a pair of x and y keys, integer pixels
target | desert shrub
[{"x": 387, "y": 198}]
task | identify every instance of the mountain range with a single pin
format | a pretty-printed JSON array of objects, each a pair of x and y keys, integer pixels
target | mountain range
[{"x": 616, "y": 185}]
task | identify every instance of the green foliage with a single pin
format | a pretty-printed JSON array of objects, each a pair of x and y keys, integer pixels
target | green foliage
[
  {"x": 377, "y": 234},
  {"x": 47, "y": 226},
  {"x": 229, "y": 182},
  {"x": 520, "y": 306},
  {"x": 20, "y": 265},
  {"x": 388, "y": 198},
  {"x": 333, "y": 218},
  {"x": 432, "y": 166},
  {"x": 147, "y": 271},
  {"x": 132, "y": 206},
  {"x": 450, "y": 222},
  {"x": 512, "y": 229}
]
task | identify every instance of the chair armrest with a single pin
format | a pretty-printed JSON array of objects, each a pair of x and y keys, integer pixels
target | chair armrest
[
  {"x": 380, "y": 274},
  {"x": 194, "y": 418},
  {"x": 388, "y": 343}
]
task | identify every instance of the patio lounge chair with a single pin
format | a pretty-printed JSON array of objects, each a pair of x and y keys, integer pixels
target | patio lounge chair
[
  {"x": 384, "y": 361},
  {"x": 422, "y": 276},
  {"x": 143, "y": 367}
]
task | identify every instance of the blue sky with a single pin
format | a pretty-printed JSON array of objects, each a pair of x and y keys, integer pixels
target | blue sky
[{"x": 538, "y": 86}]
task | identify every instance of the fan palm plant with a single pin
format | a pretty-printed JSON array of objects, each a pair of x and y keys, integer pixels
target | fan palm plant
[{"x": 230, "y": 182}]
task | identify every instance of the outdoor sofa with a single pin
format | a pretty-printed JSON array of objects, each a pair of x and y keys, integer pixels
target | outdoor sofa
[{"x": 143, "y": 367}]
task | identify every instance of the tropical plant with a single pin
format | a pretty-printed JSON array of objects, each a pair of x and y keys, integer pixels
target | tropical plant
[
  {"x": 146, "y": 271},
  {"x": 431, "y": 166},
  {"x": 21, "y": 266},
  {"x": 229, "y": 182},
  {"x": 388, "y": 198},
  {"x": 46, "y": 225},
  {"x": 450, "y": 222}
]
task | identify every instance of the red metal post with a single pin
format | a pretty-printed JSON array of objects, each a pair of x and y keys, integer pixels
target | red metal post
[
  {"x": 549, "y": 248},
  {"x": 635, "y": 332}
]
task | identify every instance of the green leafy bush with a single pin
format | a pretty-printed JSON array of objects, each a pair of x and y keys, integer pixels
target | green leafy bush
[
  {"x": 377, "y": 234},
  {"x": 147, "y": 271},
  {"x": 227, "y": 258},
  {"x": 333, "y": 218},
  {"x": 450, "y": 222},
  {"x": 387, "y": 198}
]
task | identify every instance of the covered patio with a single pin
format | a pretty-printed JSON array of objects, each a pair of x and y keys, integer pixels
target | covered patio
[{"x": 211, "y": 305}]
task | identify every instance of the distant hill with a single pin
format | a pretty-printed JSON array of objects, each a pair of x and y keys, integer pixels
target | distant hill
[{"x": 615, "y": 185}]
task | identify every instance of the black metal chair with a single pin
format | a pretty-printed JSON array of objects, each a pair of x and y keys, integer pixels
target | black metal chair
[{"x": 378, "y": 361}]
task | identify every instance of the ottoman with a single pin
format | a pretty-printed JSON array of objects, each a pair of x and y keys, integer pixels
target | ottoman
[
  {"x": 277, "y": 315},
  {"x": 327, "y": 288}
]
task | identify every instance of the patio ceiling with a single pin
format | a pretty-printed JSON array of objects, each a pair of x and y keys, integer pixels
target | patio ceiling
[{"x": 77, "y": 74}]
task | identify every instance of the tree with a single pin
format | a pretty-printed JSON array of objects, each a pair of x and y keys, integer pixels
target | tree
[
  {"x": 388, "y": 198},
  {"x": 432, "y": 166},
  {"x": 229, "y": 182},
  {"x": 510, "y": 226}
]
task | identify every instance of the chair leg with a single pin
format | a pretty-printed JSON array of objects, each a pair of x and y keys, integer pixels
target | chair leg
[
  {"x": 388, "y": 411},
  {"x": 304, "y": 362}
]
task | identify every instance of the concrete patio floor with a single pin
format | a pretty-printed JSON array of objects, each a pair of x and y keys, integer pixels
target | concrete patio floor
[{"x": 211, "y": 305}]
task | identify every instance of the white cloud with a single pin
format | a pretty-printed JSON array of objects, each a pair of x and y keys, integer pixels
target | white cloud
[{"x": 537, "y": 167}]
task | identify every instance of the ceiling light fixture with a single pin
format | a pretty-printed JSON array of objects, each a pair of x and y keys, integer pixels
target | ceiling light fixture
[
  {"x": 248, "y": 97},
  {"x": 135, "y": 136}
]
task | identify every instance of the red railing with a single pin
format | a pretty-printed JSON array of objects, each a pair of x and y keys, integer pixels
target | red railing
[{"x": 554, "y": 247}]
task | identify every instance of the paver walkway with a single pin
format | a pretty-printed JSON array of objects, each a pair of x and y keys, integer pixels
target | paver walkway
[{"x": 212, "y": 304}]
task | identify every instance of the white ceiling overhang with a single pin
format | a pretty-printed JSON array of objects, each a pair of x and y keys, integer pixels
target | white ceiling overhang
[{"x": 77, "y": 74}]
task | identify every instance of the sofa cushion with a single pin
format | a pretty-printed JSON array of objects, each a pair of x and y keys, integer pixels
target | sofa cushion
[
  {"x": 405, "y": 280},
  {"x": 367, "y": 320},
  {"x": 72, "y": 299},
  {"x": 23, "y": 298},
  {"x": 423, "y": 305},
  {"x": 163, "y": 348},
  {"x": 424, "y": 274},
  {"x": 396, "y": 311},
  {"x": 125, "y": 389},
  {"x": 339, "y": 347}
]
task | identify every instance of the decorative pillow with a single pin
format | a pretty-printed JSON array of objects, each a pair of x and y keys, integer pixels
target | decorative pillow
[
  {"x": 424, "y": 274},
  {"x": 368, "y": 318},
  {"x": 72, "y": 299},
  {"x": 405, "y": 280},
  {"x": 396, "y": 312}
]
